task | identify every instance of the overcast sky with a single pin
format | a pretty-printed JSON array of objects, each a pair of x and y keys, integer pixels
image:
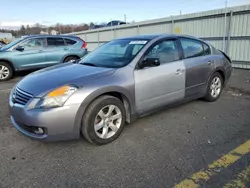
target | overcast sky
[{"x": 17, "y": 12}]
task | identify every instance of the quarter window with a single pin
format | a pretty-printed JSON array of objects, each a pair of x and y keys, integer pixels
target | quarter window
[
  {"x": 52, "y": 42},
  {"x": 166, "y": 51},
  {"x": 191, "y": 48},
  {"x": 69, "y": 42},
  {"x": 206, "y": 49}
]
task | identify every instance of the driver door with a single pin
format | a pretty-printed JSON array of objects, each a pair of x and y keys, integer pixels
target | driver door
[
  {"x": 160, "y": 85},
  {"x": 32, "y": 56}
]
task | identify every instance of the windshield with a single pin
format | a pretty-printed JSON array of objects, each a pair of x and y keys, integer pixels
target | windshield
[
  {"x": 11, "y": 44},
  {"x": 114, "y": 54}
]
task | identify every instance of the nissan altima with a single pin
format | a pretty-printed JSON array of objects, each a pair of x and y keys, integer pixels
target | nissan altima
[{"x": 115, "y": 84}]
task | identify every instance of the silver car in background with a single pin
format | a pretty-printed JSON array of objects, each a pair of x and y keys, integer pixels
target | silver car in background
[{"x": 116, "y": 83}]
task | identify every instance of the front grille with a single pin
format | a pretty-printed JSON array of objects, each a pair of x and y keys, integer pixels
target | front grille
[{"x": 21, "y": 97}]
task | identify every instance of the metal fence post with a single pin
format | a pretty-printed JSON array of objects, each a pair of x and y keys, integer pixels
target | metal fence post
[
  {"x": 138, "y": 29},
  {"x": 114, "y": 36},
  {"x": 98, "y": 37},
  {"x": 229, "y": 31},
  {"x": 172, "y": 24}
]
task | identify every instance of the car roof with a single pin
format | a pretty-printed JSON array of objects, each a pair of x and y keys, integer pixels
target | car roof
[
  {"x": 64, "y": 36},
  {"x": 150, "y": 37}
]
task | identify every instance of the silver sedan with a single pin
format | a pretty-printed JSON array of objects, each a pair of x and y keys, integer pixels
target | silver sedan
[{"x": 116, "y": 83}]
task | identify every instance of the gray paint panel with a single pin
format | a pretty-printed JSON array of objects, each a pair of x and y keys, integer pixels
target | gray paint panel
[{"x": 158, "y": 86}]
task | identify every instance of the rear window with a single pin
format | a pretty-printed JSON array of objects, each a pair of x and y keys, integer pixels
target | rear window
[
  {"x": 191, "y": 48},
  {"x": 55, "y": 42},
  {"x": 69, "y": 42}
]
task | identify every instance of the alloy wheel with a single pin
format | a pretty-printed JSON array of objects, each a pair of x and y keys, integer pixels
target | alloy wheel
[
  {"x": 108, "y": 121},
  {"x": 4, "y": 72},
  {"x": 215, "y": 87}
]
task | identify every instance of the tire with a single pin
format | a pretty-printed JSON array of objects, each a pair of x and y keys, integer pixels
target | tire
[
  {"x": 70, "y": 58},
  {"x": 213, "y": 94},
  {"x": 99, "y": 130},
  {"x": 6, "y": 71}
]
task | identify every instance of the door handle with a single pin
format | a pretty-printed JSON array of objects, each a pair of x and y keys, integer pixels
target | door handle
[
  {"x": 66, "y": 49},
  {"x": 210, "y": 62},
  {"x": 40, "y": 51},
  {"x": 179, "y": 71}
]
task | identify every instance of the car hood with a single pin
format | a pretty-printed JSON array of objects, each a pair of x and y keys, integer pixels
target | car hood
[{"x": 44, "y": 80}]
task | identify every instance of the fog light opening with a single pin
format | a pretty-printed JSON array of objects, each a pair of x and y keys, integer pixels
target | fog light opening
[{"x": 38, "y": 131}]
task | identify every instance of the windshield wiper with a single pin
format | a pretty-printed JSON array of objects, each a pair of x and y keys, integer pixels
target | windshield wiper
[{"x": 89, "y": 64}]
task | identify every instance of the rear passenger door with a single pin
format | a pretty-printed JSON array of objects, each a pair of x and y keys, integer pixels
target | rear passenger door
[
  {"x": 55, "y": 50},
  {"x": 199, "y": 65}
]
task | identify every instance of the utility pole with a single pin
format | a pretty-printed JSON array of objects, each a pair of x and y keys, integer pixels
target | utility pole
[
  {"x": 125, "y": 17},
  {"x": 225, "y": 27},
  {"x": 180, "y": 12},
  {"x": 60, "y": 29}
]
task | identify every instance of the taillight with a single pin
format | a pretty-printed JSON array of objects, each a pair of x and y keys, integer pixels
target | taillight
[{"x": 84, "y": 44}]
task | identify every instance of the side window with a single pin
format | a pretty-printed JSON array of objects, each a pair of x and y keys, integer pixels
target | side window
[
  {"x": 166, "y": 51},
  {"x": 69, "y": 42},
  {"x": 191, "y": 48},
  {"x": 33, "y": 44},
  {"x": 54, "y": 42},
  {"x": 115, "y": 23},
  {"x": 206, "y": 49}
]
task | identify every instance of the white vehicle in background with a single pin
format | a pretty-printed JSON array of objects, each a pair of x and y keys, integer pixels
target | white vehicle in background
[{"x": 6, "y": 37}]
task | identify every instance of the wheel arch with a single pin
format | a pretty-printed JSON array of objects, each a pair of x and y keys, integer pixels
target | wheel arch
[
  {"x": 220, "y": 71},
  {"x": 124, "y": 100},
  {"x": 115, "y": 91},
  {"x": 70, "y": 55},
  {"x": 9, "y": 63}
]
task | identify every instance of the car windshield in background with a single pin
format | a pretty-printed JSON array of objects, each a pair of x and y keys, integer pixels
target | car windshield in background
[
  {"x": 114, "y": 54},
  {"x": 11, "y": 44}
]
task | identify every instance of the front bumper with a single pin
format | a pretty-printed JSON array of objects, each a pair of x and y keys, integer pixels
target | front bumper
[{"x": 57, "y": 123}]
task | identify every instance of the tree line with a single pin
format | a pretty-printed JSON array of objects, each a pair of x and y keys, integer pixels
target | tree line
[{"x": 38, "y": 28}]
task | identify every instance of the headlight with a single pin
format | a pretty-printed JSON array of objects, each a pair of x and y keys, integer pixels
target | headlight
[{"x": 57, "y": 97}]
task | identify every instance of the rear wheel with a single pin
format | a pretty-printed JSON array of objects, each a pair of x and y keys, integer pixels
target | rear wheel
[
  {"x": 104, "y": 120},
  {"x": 215, "y": 87},
  {"x": 70, "y": 59},
  {"x": 6, "y": 71}
]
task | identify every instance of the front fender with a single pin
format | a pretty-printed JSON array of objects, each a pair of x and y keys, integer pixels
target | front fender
[
  {"x": 8, "y": 60},
  {"x": 95, "y": 94}
]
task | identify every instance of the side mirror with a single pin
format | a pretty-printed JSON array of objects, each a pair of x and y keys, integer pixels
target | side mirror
[
  {"x": 149, "y": 62},
  {"x": 20, "y": 48}
]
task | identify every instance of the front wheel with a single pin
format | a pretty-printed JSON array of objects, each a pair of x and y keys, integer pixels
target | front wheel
[
  {"x": 215, "y": 87},
  {"x": 104, "y": 120},
  {"x": 6, "y": 71}
]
